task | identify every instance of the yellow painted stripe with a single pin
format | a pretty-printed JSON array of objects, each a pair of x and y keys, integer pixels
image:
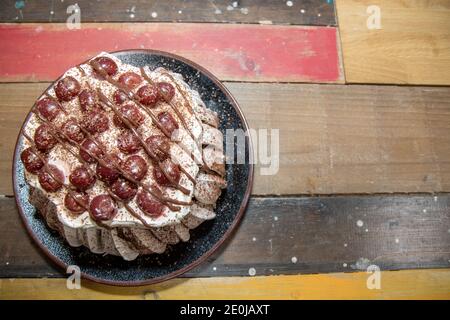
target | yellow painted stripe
[
  {"x": 406, "y": 284},
  {"x": 410, "y": 45}
]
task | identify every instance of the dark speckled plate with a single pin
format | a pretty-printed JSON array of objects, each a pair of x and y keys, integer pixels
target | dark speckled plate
[{"x": 204, "y": 240}]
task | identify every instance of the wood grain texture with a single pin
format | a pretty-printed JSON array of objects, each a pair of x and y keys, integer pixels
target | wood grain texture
[
  {"x": 412, "y": 46},
  {"x": 333, "y": 138},
  {"x": 407, "y": 284},
  {"x": 304, "y": 12},
  {"x": 232, "y": 52},
  {"x": 322, "y": 233}
]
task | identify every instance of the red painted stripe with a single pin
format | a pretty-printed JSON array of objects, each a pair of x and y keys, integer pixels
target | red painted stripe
[{"x": 232, "y": 52}]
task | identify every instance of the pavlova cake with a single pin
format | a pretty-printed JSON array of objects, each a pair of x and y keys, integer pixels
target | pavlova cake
[{"x": 123, "y": 160}]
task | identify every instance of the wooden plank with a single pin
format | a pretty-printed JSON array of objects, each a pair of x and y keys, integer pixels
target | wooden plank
[
  {"x": 305, "y": 12},
  {"x": 412, "y": 46},
  {"x": 407, "y": 284},
  {"x": 333, "y": 138},
  {"x": 293, "y": 235},
  {"x": 232, "y": 52}
]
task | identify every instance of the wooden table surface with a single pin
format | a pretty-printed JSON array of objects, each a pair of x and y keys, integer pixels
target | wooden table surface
[{"x": 364, "y": 119}]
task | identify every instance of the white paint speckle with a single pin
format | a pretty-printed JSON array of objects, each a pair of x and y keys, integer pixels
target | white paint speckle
[
  {"x": 235, "y": 4},
  {"x": 180, "y": 11},
  {"x": 230, "y": 8},
  {"x": 132, "y": 15},
  {"x": 359, "y": 223},
  {"x": 254, "y": 239},
  {"x": 397, "y": 240},
  {"x": 218, "y": 11},
  {"x": 252, "y": 271},
  {"x": 319, "y": 15},
  {"x": 344, "y": 265},
  {"x": 244, "y": 10},
  {"x": 52, "y": 12},
  {"x": 154, "y": 14},
  {"x": 275, "y": 218},
  {"x": 367, "y": 230},
  {"x": 289, "y": 3},
  {"x": 424, "y": 210},
  {"x": 294, "y": 259},
  {"x": 435, "y": 198},
  {"x": 214, "y": 268},
  {"x": 345, "y": 245},
  {"x": 302, "y": 11},
  {"x": 7, "y": 263}
]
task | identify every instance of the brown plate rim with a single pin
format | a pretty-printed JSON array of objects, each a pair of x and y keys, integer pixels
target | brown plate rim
[{"x": 225, "y": 236}]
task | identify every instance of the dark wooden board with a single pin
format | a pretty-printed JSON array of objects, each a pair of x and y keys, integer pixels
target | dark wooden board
[
  {"x": 305, "y": 12},
  {"x": 322, "y": 233}
]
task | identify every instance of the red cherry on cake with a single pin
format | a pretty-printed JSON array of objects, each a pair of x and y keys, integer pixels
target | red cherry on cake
[
  {"x": 131, "y": 113},
  {"x": 31, "y": 161},
  {"x": 128, "y": 143},
  {"x": 67, "y": 88},
  {"x": 124, "y": 189},
  {"x": 166, "y": 91},
  {"x": 48, "y": 108},
  {"x": 120, "y": 97},
  {"x": 81, "y": 178},
  {"x": 76, "y": 202},
  {"x": 107, "y": 173},
  {"x": 44, "y": 139},
  {"x": 88, "y": 100},
  {"x": 149, "y": 204},
  {"x": 92, "y": 148},
  {"x": 48, "y": 181},
  {"x": 102, "y": 208},
  {"x": 135, "y": 166},
  {"x": 107, "y": 64},
  {"x": 171, "y": 173},
  {"x": 130, "y": 79},
  {"x": 72, "y": 130},
  {"x": 159, "y": 145},
  {"x": 96, "y": 121},
  {"x": 167, "y": 122},
  {"x": 148, "y": 95}
]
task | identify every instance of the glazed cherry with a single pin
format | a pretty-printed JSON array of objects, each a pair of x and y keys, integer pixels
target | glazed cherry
[
  {"x": 102, "y": 208},
  {"x": 107, "y": 173},
  {"x": 81, "y": 179},
  {"x": 88, "y": 100},
  {"x": 67, "y": 88},
  {"x": 171, "y": 173},
  {"x": 72, "y": 130},
  {"x": 107, "y": 64},
  {"x": 76, "y": 202},
  {"x": 92, "y": 148},
  {"x": 149, "y": 204},
  {"x": 128, "y": 143},
  {"x": 124, "y": 189},
  {"x": 120, "y": 97},
  {"x": 48, "y": 108},
  {"x": 159, "y": 145},
  {"x": 130, "y": 79},
  {"x": 31, "y": 161},
  {"x": 148, "y": 95},
  {"x": 131, "y": 113},
  {"x": 96, "y": 121},
  {"x": 44, "y": 139},
  {"x": 135, "y": 166},
  {"x": 167, "y": 122},
  {"x": 166, "y": 91},
  {"x": 48, "y": 181}
]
